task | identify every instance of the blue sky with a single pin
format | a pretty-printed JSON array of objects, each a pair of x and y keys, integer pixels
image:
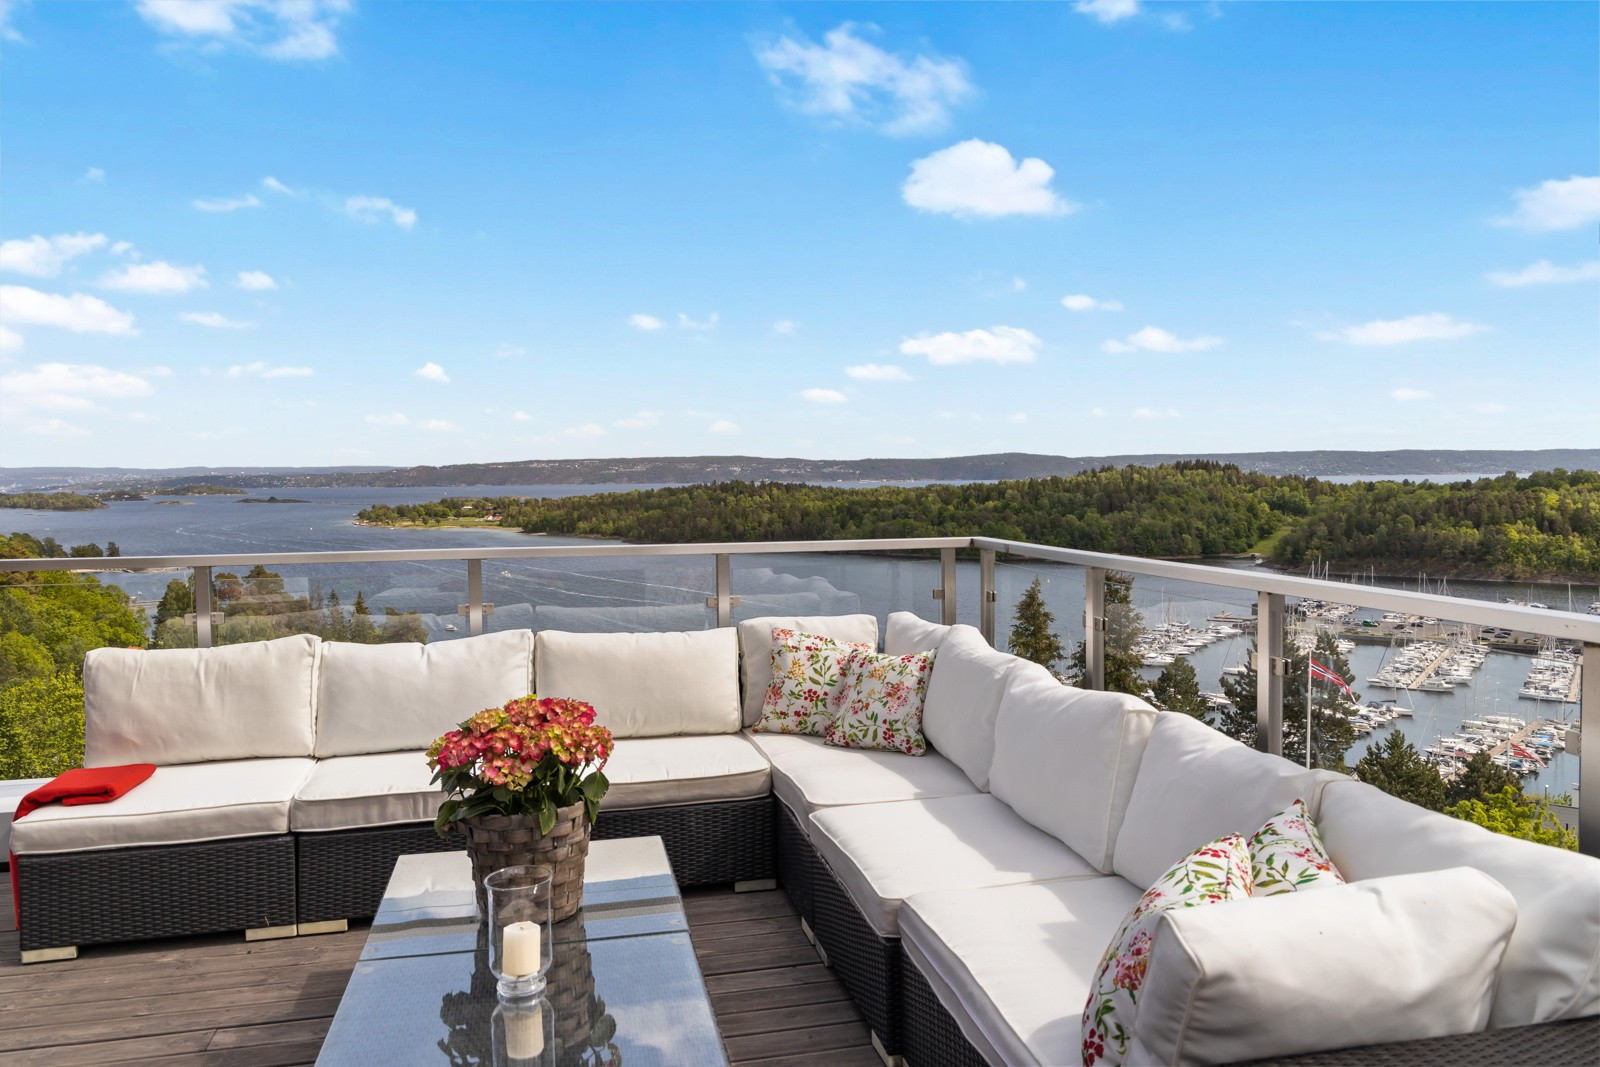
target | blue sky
[{"x": 313, "y": 232}]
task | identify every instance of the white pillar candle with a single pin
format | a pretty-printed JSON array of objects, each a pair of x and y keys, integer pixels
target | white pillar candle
[
  {"x": 525, "y": 1033},
  {"x": 519, "y": 949}
]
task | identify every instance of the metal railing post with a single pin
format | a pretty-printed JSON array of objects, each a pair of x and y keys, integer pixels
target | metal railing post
[
  {"x": 724, "y": 589},
  {"x": 202, "y": 607},
  {"x": 474, "y": 597},
  {"x": 986, "y": 594},
  {"x": 1589, "y": 762},
  {"x": 947, "y": 586},
  {"x": 1094, "y": 628},
  {"x": 1271, "y": 668}
]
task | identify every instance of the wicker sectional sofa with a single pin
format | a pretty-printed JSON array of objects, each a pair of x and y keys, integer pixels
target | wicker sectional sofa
[{"x": 964, "y": 897}]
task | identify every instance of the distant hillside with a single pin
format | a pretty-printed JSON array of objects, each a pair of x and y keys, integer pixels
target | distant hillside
[{"x": 670, "y": 470}]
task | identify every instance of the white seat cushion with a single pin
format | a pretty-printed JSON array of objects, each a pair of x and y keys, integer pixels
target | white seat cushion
[
  {"x": 654, "y": 771},
  {"x": 883, "y": 853},
  {"x": 400, "y": 697},
  {"x": 1387, "y": 959},
  {"x": 1013, "y": 964},
  {"x": 755, "y": 647},
  {"x": 809, "y": 775},
  {"x": 354, "y": 792},
  {"x": 964, "y": 698},
  {"x": 187, "y": 705},
  {"x": 646, "y": 684},
  {"x": 906, "y": 633},
  {"x": 1065, "y": 759},
  {"x": 1552, "y": 966},
  {"x": 1196, "y": 784},
  {"x": 175, "y": 805}
]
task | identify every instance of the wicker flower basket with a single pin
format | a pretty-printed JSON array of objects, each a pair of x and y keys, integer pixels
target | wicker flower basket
[{"x": 497, "y": 841}]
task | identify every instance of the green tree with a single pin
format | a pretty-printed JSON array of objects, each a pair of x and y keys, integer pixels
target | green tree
[
  {"x": 1395, "y": 766},
  {"x": 1481, "y": 779},
  {"x": 1032, "y": 634},
  {"x": 361, "y": 628},
  {"x": 1124, "y": 628},
  {"x": 176, "y": 602},
  {"x": 41, "y": 726},
  {"x": 1332, "y": 735},
  {"x": 1509, "y": 812},
  {"x": 1178, "y": 689},
  {"x": 23, "y": 657},
  {"x": 336, "y": 627}
]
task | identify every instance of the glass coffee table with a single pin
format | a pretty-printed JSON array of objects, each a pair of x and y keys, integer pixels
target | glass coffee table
[{"x": 624, "y": 984}]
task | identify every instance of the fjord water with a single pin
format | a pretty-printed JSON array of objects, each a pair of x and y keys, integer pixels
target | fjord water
[{"x": 669, "y": 592}]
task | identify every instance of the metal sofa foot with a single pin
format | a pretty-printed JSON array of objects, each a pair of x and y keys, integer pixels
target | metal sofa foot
[
  {"x": 888, "y": 1060},
  {"x": 805, "y": 928},
  {"x": 327, "y": 926},
  {"x": 755, "y": 885},
  {"x": 268, "y": 933},
  {"x": 49, "y": 955}
]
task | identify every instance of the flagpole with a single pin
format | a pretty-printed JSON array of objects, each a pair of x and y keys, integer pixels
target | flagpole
[{"x": 1310, "y": 650}]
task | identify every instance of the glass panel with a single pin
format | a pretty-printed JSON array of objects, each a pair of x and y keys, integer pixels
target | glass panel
[
  {"x": 835, "y": 583},
  {"x": 371, "y": 604},
  {"x": 599, "y": 594},
  {"x": 1061, "y": 594}
]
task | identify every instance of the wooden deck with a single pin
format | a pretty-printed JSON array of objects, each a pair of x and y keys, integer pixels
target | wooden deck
[{"x": 220, "y": 1000}]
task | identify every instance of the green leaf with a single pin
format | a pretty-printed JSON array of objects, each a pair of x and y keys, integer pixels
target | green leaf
[{"x": 547, "y": 816}]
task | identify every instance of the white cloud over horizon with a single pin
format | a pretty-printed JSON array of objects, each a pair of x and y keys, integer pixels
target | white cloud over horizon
[
  {"x": 432, "y": 372},
  {"x": 1107, "y": 10},
  {"x": 1155, "y": 339},
  {"x": 44, "y": 257},
  {"x": 998, "y": 344},
  {"x": 785, "y": 326},
  {"x": 372, "y": 209},
  {"x": 639, "y": 420},
  {"x": 849, "y": 79},
  {"x": 157, "y": 278},
  {"x": 705, "y": 325},
  {"x": 80, "y": 313},
  {"x": 878, "y": 372},
  {"x": 225, "y": 204},
  {"x": 823, "y": 396},
  {"x": 723, "y": 426},
  {"x": 1433, "y": 326},
  {"x": 1406, "y": 393},
  {"x": 644, "y": 322},
  {"x": 256, "y": 281},
  {"x": 287, "y": 30},
  {"x": 1544, "y": 273},
  {"x": 215, "y": 320},
  {"x": 1557, "y": 204},
  {"x": 976, "y": 179},
  {"x": 68, "y": 387},
  {"x": 1084, "y": 302},
  {"x": 259, "y": 369}
]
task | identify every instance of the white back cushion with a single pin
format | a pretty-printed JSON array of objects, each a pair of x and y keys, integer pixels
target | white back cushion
[
  {"x": 755, "y": 646},
  {"x": 907, "y": 633},
  {"x": 646, "y": 685},
  {"x": 1065, "y": 759},
  {"x": 393, "y": 698},
  {"x": 190, "y": 705},
  {"x": 964, "y": 698},
  {"x": 1394, "y": 959},
  {"x": 1196, "y": 784},
  {"x": 1552, "y": 967}
]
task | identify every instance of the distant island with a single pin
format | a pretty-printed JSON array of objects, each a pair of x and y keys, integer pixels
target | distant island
[
  {"x": 687, "y": 470},
  {"x": 1545, "y": 526},
  {"x": 51, "y": 501},
  {"x": 270, "y": 500}
]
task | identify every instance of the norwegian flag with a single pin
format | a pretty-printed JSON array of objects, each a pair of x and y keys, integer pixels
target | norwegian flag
[
  {"x": 1525, "y": 754},
  {"x": 1324, "y": 674}
]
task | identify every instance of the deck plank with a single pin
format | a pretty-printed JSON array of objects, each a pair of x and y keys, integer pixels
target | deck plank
[{"x": 224, "y": 1001}]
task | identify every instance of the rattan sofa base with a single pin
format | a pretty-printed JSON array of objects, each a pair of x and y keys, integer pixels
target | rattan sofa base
[
  {"x": 799, "y": 865},
  {"x": 931, "y": 1037},
  {"x": 132, "y": 894},
  {"x": 867, "y": 964},
  {"x": 342, "y": 873}
]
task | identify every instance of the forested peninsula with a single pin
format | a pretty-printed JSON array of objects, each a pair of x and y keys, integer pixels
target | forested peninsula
[
  {"x": 1544, "y": 526},
  {"x": 50, "y": 501}
]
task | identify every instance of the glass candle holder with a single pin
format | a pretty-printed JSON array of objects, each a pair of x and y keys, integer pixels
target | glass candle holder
[
  {"x": 523, "y": 1033},
  {"x": 518, "y": 903}
]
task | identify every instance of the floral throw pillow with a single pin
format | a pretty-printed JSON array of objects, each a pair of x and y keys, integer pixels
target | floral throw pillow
[
  {"x": 1287, "y": 855},
  {"x": 880, "y": 702},
  {"x": 1208, "y": 875},
  {"x": 805, "y": 680}
]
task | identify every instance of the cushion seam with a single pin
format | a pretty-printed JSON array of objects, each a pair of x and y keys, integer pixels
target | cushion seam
[{"x": 1194, "y": 990}]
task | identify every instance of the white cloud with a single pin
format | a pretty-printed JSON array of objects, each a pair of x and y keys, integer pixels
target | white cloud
[
  {"x": 1556, "y": 205},
  {"x": 1153, "y": 413},
  {"x": 69, "y": 387},
  {"x": 585, "y": 431},
  {"x": 156, "y": 372},
  {"x": 1107, "y": 10},
  {"x": 93, "y": 175},
  {"x": 159, "y": 278},
  {"x": 1410, "y": 394},
  {"x": 979, "y": 179},
  {"x": 1018, "y": 417},
  {"x": 1489, "y": 408},
  {"x": 1097, "y": 413},
  {"x": 823, "y": 396},
  {"x": 10, "y": 340},
  {"x": 785, "y": 326},
  {"x": 999, "y": 344},
  {"x": 391, "y": 419},
  {"x": 124, "y": 248},
  {"x": 433, "y": 373},
  {"x": 436, "y": 425},
  {"x": 1085, "y": 302},
  {"x": 255, "y": 280},
  {"x": 277, "y": 29},
  {"x": 43, "y": 257},
  {"x": 1545, "y": 273},
  {"x": 80, "y": 313},
  {"x": 509, "y": 351},
  {"x": 215, "y": 320},
  {"x": 371, "y": 209},
  {"x": 644, "y": 322},
  {"x": 849, "y": 79},
  {"x": 709, "y": 323},
  {"x": 723, "y": 426},
  {"x": 269, "y": 182},
  {"x": 54, "y": 428},
  {"x": 522, "y": 416},
  {"x": 1018, "y": 284},
  {"x": 639, "y": 420},
  {"x": 1155, "y": 339},
  {"x": 225, "y": 204},
  {"x": 259, "y": 369},
  {"x": 1435, "y": 326},
  {"x": 878, "y": 372}
]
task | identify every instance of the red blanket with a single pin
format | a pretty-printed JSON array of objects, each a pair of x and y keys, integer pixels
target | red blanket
[{"x": 81, "y": 785}]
